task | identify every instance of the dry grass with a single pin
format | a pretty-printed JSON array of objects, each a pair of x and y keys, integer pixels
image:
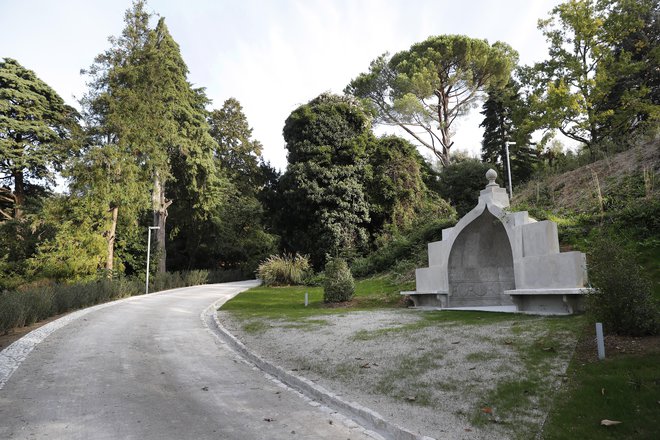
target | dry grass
[{"x": 579, "y": 190}]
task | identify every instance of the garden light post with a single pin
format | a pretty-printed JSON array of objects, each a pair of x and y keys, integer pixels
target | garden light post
[
  {"x": 508, "y": 166},
  {"x": 146, "y": 287}
]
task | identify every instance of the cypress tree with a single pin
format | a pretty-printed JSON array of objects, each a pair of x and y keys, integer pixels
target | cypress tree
[
  {"x": 504, "y": 121},
  {"x": 140, "y": 99}
]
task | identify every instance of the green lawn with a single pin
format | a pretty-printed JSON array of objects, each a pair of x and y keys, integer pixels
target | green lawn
[
  {"x": 626, "y": 389},
  {"x": 289, "y": 302}
]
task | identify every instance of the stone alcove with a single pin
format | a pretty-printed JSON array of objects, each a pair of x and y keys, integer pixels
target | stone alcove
[
  {"x": 501, "y": 260},
  {"x": 480, "y": 265}
]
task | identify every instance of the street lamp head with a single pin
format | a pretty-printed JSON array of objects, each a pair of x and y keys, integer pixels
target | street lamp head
[{"x": 154, "y": 227}]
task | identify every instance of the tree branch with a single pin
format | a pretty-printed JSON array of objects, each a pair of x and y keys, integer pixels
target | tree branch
[
  {"x": 5, "y": 215},
  {"x": 574, "y": 136}
]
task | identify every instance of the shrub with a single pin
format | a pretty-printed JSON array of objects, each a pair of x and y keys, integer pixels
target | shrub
[
  {"x": 621, "y": 298},
  {"x": 195, "y": 277},
  {"x": 460, "y": 182},
  {"x": 227, "y": 275},
  {"x": 404, "y": 250},
  {"x": 339, "y": 285},
  {"x": 314, "y": 279},
  {"x": 42, "y": 299},
  {"x": 37, "y": 304},
  {"x": 284, "y": 270},
  {"x": 11, "y": 311},
  {"x": 166, "y": 281}
]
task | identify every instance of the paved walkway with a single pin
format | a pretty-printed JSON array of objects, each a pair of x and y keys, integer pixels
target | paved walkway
[{"x": 149, "y": 369}]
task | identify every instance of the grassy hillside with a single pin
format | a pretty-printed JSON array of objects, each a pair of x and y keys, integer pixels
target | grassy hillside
[
  {"x": 585, "y": 188},
  {"x": 618, "y": 196}
]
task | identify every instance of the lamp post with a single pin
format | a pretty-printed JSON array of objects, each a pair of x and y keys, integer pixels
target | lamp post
[
  {"x": 508, "y": 165},
  {"x": 146, "y": 287}
]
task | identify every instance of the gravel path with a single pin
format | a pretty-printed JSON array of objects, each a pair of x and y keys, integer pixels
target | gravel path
[{"x": 437, "y": 380}]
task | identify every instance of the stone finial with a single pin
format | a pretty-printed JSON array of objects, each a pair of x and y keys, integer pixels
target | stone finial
[{"x": 491, "y": 175}]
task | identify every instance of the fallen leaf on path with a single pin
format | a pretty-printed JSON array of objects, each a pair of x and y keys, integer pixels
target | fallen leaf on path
[
  {"x": 411, "y": 398},
  {"x": 268, "y": 419},
  {"x": 365, "y": 365},
  {"x": 205, "y": 388},
  {"x": 606, "y": 422},
  {"x": 487, "y": 410},
  {"x": 508, "y": 342},
  {"x": 456, "y": 342}
]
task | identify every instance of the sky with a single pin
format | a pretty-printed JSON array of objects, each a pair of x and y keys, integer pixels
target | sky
[{"x": 271, "y": 55}]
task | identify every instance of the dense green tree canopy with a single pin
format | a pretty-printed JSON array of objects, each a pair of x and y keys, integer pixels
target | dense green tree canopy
[
  {"x": 36, "y": 130},
  {"x": 578, "y": 42},
  {"x": 598, "y": 77},
  {"x": 461, "y": 182},
  {"x": 323, "y": 208},
  {"x": 431, "y": 84},
  {"x": 398, "y": 196},
  {"x": 330, "y": 129},
  {"x": 233, "y": 236},
  {"x": 632, "y": 102}
]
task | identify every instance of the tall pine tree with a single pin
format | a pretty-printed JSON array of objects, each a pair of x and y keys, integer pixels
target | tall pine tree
[{"x": 504, "y": 121}]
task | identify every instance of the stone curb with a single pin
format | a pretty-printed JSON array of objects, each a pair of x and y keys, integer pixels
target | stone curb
[{"x": 362, "y": 415}]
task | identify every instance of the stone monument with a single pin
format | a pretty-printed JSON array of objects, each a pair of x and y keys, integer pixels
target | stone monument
[{"x": 498, "y": 260}]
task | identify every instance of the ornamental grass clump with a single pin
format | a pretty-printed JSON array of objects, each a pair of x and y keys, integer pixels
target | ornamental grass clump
[
  {"x": 284, "y": 270},
  {"x": 339, "y": 285}
]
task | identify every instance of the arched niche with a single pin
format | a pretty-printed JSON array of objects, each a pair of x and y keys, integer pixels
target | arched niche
[{"x": 480, "y": 266}]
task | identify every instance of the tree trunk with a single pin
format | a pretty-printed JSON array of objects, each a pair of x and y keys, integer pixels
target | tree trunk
[
  {"x": 109, "y": 264},
  {"x": 19, "y": 193},
  {"x": 160, "y": 219},
  {"x": 443, "y": 119}
]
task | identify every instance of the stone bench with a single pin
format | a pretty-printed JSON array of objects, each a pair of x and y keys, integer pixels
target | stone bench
[
  {"x": 427, "y": 299},
  {"x": 531, "y": 301},
  {"x": 557, "y": 301}
]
